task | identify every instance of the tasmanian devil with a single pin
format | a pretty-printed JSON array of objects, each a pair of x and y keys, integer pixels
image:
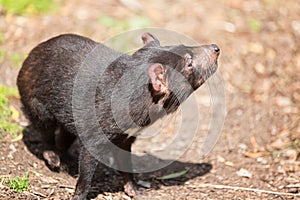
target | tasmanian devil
[{"x": 131, "y": 92}]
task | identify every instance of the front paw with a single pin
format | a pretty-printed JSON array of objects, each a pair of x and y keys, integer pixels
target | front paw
[
  {"x": 130, "y": 189},
  {"x": 52, "y": 159}
]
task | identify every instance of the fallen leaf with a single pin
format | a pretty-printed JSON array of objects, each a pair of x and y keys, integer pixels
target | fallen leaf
[
  {"x": 254, "y": 143},
  {"x": 228, "y": 163},
  {"x": 279, "y": 144},
  {"x": 173, "y": 175},
  {"x": 255, "y": 154},
  {"x": 19, "y": 137},
  {"x": 15, "y": 113}
]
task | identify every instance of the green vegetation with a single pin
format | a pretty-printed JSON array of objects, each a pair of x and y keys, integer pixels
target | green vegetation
[
  {"x": 2, "y": 54},
  {"x": 16, "y": 59},
  {"x": 254, "y": 25},
  {"x": 125, "y": 24},
  {"x": 117, "y": 25},
  {"x": 1, "y": 36},
  {"x": 28, "y": 7},
  {"x": 19, "y": 183},
  {"x": 6, "y": 122},
  {"x": 173, "y": 175},
  {"x": 2, "y": 50}
]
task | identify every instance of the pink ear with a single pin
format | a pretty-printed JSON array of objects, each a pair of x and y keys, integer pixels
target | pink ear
[
  {"x": 158, "y": 77},
  {"x": 147, "y": 38}
]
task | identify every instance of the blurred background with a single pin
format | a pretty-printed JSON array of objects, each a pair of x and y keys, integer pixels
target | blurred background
[{"x": 259, "y": 65}]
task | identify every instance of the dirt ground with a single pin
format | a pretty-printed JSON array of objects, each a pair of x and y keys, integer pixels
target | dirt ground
[{"x": 257, "y": 154}]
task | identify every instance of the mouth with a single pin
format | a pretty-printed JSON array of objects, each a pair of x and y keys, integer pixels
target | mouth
[
  {"x": 210, "y": 71},
  {"x": 207, "y": 66},
  {"x": 206, "y": 72}
]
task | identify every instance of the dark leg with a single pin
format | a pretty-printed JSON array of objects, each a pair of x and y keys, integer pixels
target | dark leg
[
  {"x": 46, "y": 130},
  {"x": 63, "y": 139},
  {"x": 50, "y": 154},
  {"x": 87, "y": 167},
  {"x": 44, "y": 122},
  {"x": 123, "y": 161}
]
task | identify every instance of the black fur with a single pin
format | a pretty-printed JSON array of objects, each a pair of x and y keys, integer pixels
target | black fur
[{"x": 46, "y": 82}]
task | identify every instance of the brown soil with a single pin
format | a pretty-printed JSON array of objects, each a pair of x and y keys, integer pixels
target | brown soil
[{"x": 260, "y": 70}]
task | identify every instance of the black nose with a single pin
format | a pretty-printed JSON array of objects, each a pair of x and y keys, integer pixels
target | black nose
[{"x": 215, "y": 48}]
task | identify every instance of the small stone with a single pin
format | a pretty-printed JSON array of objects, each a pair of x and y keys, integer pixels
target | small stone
[
  {"x": 243, "y": 147},
  {"x": 221, "y": 159},
  {"x": 281, "y": 170},
  {"x": 35, "y": 165},
  {"x": 12, "y": 149},
  {"x": 144, "y": 184},
  {"x": 239, "y": 112},
  {"x": 244, "y": 173},
  {"x": 296, "y": 26},
  {"x": 255, "y": 47},
  {"x": 229, "y": 27},
  {"x": 260, "y": 68},
  {"x": 291, "y": 154},
  {"x": 283, "y": 101},
  {"x": 262, "y": 160}
]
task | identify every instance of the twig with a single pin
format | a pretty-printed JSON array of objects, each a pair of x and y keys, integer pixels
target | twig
[
  {"x": 38, "y": 194},
  {"x": 295, "y": 123},
  {"x": 67, "y": 186},
  {"x": 246, "y": 189}
]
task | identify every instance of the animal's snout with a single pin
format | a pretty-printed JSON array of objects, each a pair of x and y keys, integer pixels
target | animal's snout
[{"x": 215, "y": 48}]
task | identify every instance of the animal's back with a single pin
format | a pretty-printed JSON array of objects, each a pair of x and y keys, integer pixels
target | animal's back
[{"x": 45, "y": 81}]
